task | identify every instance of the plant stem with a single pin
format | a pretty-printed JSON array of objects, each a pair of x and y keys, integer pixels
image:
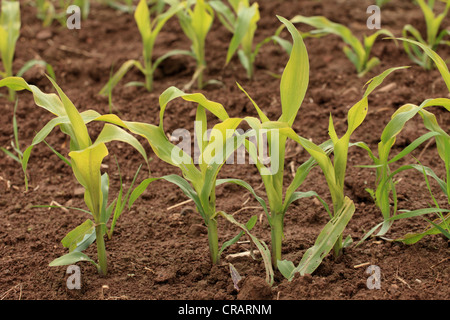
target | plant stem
[
  {"x": 148, "y": 70},
  {"x": 250, "y": 72},
  {"x": 200, "y": 80},
  {"x": 201, "y": 65},
  {"x": 213, "y": 240},
  {"x": 12, "y": 95},
  {"x": 149, "y": 82},
  {"x": 101, "y": 250},
  {"x": 276, "y": 237},
  {"x": 337, "y": 248},
  {"x": 9, "y": 73},
  {"x": 251, "y": 67}
]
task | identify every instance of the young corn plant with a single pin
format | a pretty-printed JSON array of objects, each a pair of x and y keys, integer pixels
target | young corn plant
[
  {"x": 242, "y": 22},
  {"x": 86, "y": 158},
  {"x": 442, "y": 223},
  {"x": 396, "y": 124},
  {"x": 50, "y": 10},
  {"x": 45, "y": 12},
  {"x": 149, "y": 30},
  {"x": 359, "y": 53},
  {"x": 331, "y": 237},
  {"x": 385, "y": 184},
  {"x": 442, "y": 139},
  {"x": 434, "y": 36},
  {"x": 10, "y": 24},
  {"x": 196, "y": 24},
  {"x": 9, "y": 34},
  {"x": 198, "y": 182},
  {"x": 293, "y": 86},
  {"x": 443, "y": 146}
]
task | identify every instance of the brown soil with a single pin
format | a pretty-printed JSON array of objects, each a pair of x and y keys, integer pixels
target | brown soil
[{"x": 163, "y": 254}]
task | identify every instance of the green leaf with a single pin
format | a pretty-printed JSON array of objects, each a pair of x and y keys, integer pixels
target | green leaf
[
  {"x": 86, "y": 167},
  {"x": 50, "y": 102},
  {"x": 170, "y": 54},
  {"x": 372, "y": 63},
  {"x": 68, "y": 117},
  {"x": 413, "y": 145},
  {"x": 286, "y": 268},
  {"x": 80, "y": 132},
  {"x": 412, "y": 238},
  {"x": 261, "y": 114},
  {"x": 295, "y": 78},
  {"x": 323, "y": 25},
  {"x": 404, "y": 215},
  {"x": 45, "y": 131},
  {"x": 325, "y": 241},
  {"x": 322, "y": 159},
  {"x": 30, "y": 64},
  {"x": 429, "y": 172},
  {"x": 71, "y": 258},
  {"x": 115, "y": 79},
  {"x": 105, "y": 213},
  {"x": 77, "y": 235},
  {"x": 370, "y": 40},
  {"x": 142, "y": 18},
  {"x": 225, "y": 16},
  {"x": 442, "y": 230},
  {"x": 114, "y": 133},
  {"x": 11, "y": 155},
  {"x": 245, "y": 18},
  {"x": 216, "y": 153},
  {"x": 300, "y": 195},
  {"x": 202, "y": 20},
  {"x": 59, "y": 155},
  {"x": 9, "y": 32},
  {"x": 440, "y": 63},
  {"x": 246, "y": 63},
  {"x": 172, "y": 93}
]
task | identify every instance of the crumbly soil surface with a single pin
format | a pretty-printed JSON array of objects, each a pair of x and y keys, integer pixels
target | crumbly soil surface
[{"x": 158, "y": 252}]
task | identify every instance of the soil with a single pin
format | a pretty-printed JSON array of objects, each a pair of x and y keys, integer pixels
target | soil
[{"x": 162, "y": 254}]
